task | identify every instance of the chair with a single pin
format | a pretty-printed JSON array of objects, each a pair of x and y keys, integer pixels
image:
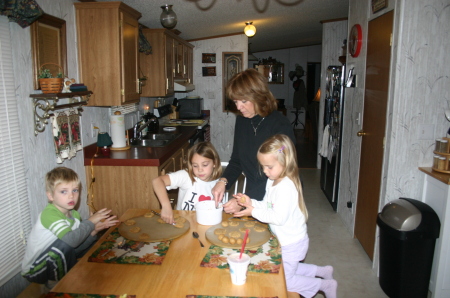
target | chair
[{"x": 238, "y": 186}]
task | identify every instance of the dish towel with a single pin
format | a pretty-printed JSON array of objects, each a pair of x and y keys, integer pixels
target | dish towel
[
  {"x": 66, "y": 134},
  {"x": 325, "y": 139}
]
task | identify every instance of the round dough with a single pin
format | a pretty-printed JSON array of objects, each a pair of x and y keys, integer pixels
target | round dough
[
  {"x": 233, "y": 240},
  {"x": 219, "y": 231},
  {"x": 243, "y": 229},
  {"x": 130, "y": 222},
  {"x": 160, "y": 220},
  {"x": 135, "y": 229},
  {"x": 149, "y": 214},
  {"x": 249, "y": 224},
  {"x": 259, "y": 228},
  {"x": 220, "y": 236},
  {"x": 233, "y": 223},
  {"x": 179, "y": 225},
  {"x": 224, "y": 224},
  {"x": 239, "y": 241},
  {"x": 180, "y": 219},
  {"x": 234, "y": 234},
  {"x": 225, "y": 239},
  {"x": 144, "y": 236}
]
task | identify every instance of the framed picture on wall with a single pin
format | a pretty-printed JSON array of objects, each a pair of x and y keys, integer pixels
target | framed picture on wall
[
  {"x": 208, "y": 58},
  {"x": 232, "y": 64},
  {"x": 209, "y": 71}
]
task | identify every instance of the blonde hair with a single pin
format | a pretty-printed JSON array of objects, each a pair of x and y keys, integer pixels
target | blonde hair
[
  {"x": 207, "y": 150},
  {"x": 282, "y": 147},
  {"x": 251, "y": 85},
  {"x": 60, "y": 175}
]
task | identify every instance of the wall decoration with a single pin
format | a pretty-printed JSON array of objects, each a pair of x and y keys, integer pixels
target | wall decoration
[
  {"x": 208, "y": 58},
  {"x": 378, "y": 5},
  {"x": 232, "y": 64},
  {"x": 209, "y": 71},
  {"x": 48, "y": 45},
  {"x": 355, "y": 40}
]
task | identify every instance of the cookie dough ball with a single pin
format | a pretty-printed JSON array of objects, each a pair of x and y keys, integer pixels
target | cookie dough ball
[
  {"x": 250, "y": 224},
  {"x": 232, "y": 240},
  {"x": 219, "y": 231},
  {"x": 225, "y": 239},
  {"x": 149, "y": 214},
  {"x": 239, "y": 241},
  {"x": 135, "y": 229},
  {"x": 224, "y": 224},
  {"x": 220, "y": 236},
  {"x": 235, "y": 234},
  {"x": 259, "y": 228},
  {"x": 233, "y": 223}
]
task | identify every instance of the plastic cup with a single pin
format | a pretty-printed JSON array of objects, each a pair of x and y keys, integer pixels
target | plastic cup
[{"x": 238, "y": 268}]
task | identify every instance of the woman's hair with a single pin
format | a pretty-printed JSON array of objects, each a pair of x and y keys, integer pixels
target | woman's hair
[
  {"x": 252, "y": 85},
  {"x": 60, "y": 175},
  {"x": 207, "y": 150},
  {"x": 282, "y": 147}
]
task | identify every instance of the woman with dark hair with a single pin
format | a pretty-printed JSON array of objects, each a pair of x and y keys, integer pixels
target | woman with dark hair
[{"x": 257, "y": 119}]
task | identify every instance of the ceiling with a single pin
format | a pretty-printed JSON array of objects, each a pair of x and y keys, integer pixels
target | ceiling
[{"x": 280, "y": 24}]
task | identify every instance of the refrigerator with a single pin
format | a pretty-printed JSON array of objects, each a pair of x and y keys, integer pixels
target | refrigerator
[{"x": 332, "y": 123}]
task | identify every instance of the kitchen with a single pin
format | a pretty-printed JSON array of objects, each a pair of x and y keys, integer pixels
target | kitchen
[{"x": 401, "y": 177}]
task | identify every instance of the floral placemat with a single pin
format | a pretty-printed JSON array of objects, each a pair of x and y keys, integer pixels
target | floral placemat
[
  {"x": 264, "y": 259},
  {"x": 206, "y": 296},
  {"x": 131, "y": 252},
  {"x": 72, "y": 295}
]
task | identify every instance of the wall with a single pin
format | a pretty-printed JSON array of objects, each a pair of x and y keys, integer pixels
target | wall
[
  {"x": 419, "y": 94},
  {"x": 210, "y": 88},
  {"x": 290, "y": 57}
]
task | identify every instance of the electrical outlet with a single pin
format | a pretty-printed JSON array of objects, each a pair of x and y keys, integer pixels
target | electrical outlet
[{"x": 94, "y": 130}]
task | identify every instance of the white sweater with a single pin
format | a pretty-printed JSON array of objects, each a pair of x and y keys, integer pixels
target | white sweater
[{"x": 280, "y": 210}]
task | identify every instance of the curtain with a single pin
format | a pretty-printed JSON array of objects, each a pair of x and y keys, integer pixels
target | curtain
[
  {"x": 15, "y": 219},
  {"x": 23, "y": 12}
]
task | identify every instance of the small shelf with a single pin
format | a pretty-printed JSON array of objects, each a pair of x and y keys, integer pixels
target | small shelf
[{"x": 46, "y": 102}]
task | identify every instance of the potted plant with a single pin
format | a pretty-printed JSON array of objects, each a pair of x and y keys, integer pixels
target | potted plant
[{"x": 48, "y": 82}]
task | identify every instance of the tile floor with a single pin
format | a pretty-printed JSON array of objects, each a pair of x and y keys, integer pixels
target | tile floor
[{"x": 332, "y": 244}]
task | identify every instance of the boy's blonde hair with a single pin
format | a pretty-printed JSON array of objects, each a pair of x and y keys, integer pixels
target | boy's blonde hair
[
  {"x": 282, "y": 147},
  {"x": 207, "y": 150},
  {"x": 60, "y": 175}
]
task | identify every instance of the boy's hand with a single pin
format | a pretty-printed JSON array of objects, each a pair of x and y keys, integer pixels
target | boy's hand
[
  {"x": 107, "y": 223},
  {"x": 99, "y": 215}
]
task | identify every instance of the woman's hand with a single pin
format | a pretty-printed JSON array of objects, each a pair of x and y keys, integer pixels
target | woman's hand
[
  {"x": 231, "y": 206},
  {"x": 218, "y": 191}
]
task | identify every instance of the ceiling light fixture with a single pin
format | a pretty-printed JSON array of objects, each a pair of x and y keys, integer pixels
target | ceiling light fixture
[
  {"x": 168, "y": 17},
  {"x": 249, "y": 29}
]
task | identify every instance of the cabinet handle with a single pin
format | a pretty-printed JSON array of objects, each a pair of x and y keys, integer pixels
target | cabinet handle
[
  {"x": 167, "y": 83},
  {"x": 184, "y": 69}
]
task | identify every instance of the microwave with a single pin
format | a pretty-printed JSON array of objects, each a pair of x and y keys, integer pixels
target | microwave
[{"x": 190, "y": 108}]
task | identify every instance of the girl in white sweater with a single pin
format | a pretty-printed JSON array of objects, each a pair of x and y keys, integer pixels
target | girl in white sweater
[{"x": 283, "y": 208}]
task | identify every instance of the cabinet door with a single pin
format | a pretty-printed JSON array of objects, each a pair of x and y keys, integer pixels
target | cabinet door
[
  {"x": 130, "y": 59},
  {"x": 189, "y": 64},
  {"x": 170, "y": 65}
]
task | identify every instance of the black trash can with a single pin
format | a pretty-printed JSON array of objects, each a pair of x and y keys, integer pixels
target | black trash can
[{"x": 408, "y": 232}]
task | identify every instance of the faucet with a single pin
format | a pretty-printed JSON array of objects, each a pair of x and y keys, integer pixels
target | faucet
[{"x": 137, "y": 131}]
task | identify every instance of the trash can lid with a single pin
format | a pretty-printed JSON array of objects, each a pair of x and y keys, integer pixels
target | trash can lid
[{"x": 401, "y": 215}]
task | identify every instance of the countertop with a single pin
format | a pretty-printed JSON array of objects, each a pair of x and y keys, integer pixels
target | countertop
[
  {"x": 139, "y": 156},
  {"x": 443, "y": 177}
]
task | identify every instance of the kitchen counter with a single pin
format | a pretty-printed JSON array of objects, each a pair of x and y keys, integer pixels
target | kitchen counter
[{"x": 140, "y": 156}]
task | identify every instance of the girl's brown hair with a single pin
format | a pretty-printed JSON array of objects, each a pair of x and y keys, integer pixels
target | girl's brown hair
[
  {"x": 282, "y": 147},
  {"x": 252, "y": 85},
  {"x": 207, "y": 150}
]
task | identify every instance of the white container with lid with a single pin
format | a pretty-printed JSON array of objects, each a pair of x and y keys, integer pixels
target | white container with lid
[{"x": 207, "y": 213}]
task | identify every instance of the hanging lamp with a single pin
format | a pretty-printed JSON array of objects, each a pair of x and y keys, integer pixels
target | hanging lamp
[{"x": 249, "y": 29}]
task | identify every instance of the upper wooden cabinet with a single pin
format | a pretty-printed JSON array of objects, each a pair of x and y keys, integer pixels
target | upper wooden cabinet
[
  {"x": 171, "y": 59},
  {"x": 108, "y": 40}
]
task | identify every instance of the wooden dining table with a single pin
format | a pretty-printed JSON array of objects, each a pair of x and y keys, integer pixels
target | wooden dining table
[{"x": 180, "y": 273}]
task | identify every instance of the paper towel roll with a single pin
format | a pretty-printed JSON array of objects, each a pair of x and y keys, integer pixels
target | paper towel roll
[{"x": 117, "y": 124}]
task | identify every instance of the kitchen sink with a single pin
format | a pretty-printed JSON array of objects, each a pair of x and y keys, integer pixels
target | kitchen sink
[{"x": 155, "y": 140}]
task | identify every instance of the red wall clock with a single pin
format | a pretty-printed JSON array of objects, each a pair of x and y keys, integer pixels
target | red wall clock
[{"x": 355, "y": 40}]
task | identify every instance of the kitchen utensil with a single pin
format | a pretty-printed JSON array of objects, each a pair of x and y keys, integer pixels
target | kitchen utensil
[{"x": 195, "y": 234}]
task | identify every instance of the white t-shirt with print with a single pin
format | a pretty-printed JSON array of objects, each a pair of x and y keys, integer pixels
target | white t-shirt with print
[{"x": 190, "y": 193}]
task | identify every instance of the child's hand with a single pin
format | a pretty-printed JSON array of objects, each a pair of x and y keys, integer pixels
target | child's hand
[
  {"x": 167, "y": 215},
  {"x": 107, "y": 223},
  {"x": 99, "y": 215},
  {"x": 243, "y": 201}
]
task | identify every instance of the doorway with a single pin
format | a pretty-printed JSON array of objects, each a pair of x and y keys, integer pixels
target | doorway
[{"x": 373, "y": 129}]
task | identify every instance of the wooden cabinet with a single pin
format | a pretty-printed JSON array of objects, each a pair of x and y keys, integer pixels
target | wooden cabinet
[
  {"x": 108, "y": 40},
  {"x": 170, "y": 60},
  {"x": 123, "y": 187}
]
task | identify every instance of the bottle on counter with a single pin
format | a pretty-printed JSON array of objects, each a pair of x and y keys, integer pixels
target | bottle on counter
[
  {"x": 436, "y": 161},
  {"x": 442, "y": 164},
  {"x": 444, "y": 146},
  {"x": 437, "y": 146}
]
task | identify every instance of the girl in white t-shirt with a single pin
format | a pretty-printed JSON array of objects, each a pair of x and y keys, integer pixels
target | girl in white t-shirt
[
  {"x": 283, "y": 208},
  {"x": 194, "y": 183}
]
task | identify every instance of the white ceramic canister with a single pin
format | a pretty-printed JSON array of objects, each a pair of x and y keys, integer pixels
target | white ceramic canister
[{"x": 207, "y": 213}]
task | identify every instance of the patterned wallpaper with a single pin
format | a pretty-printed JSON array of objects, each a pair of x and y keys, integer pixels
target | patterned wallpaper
[{"x": 210, "y": 88}]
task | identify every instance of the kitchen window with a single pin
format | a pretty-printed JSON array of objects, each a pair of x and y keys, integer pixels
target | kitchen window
[{"x": 15, "y": 220}]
